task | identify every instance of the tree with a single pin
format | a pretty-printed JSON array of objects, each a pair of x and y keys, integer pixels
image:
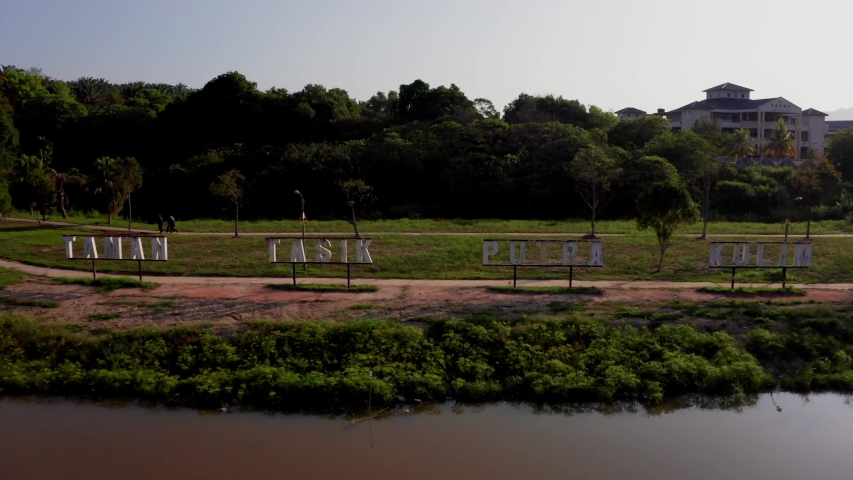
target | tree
[
  {"x": 594, "y": 171},
  {"x": 60, "y": 180},
  {"x": 664, "y": 207},
  {"x": 813, "y": 179},
  {"x": 782, "y": 142},
  {"x": 5, "y": 198},
  {"x": 229, "y": 188},
  {"x": 841, "y": 152},
  {"x": 711, "y": 129},
  {"x": 486, "y": 108},
  {"x": 32, "y": 183},
  {"x": 9, "y": 147},
  {"x": 115, "y": 180},
  {"x": 635, "y": 134},
  {"x": 358, "y": 195},
  {"x": 739, "y": 144}
]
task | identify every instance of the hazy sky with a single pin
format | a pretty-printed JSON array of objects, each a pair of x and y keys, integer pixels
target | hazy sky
[{"x": 611, "y": 53}]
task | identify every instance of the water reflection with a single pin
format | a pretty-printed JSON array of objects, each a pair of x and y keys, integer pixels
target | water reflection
[{"x": 690, "y": 437}]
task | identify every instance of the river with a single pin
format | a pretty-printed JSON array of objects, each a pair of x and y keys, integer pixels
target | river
[{"x": 810, "y": 438}]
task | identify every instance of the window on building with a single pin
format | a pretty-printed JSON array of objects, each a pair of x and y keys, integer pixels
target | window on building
[
  {"x": 753, "y": 132},
  {"x": 804, "y": 136},
  {"x": 729, "y": 95},
  {"x": 741, "y": 95}
]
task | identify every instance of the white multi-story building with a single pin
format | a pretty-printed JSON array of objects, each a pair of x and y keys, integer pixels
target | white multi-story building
[
  {"x": 733, "y": 106},
  {"x": 629, "y": 113}
]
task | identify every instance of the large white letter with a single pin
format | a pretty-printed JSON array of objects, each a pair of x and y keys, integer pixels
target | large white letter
[
  {"x": 273, "y": 243},
  {"x": 596, "y": 257},
  {"x": 741, "y": 255},
  {"x": 570, "y": 250},
  {"x": 543, "y": 251},
  {"x": 136, "y": 252},
  {"x": 69, "y": 253},
  {"x": 344, "y": 251},
  {"x": 297, "y": 251},
  {"x": 90, "y": 250},
  {"x": 803, "y": 255},
  {"x": 716, "y": 257},
  {"x": 783, "y": 255},
  {"x": 512, "y": 258},
  {"x": 759, "y": 258},
  {"x": 112, "y": 248},
  {"x": 363, "y": 256},
  {"x": 159, "y": 248},
  {"x": 490, "y": 249},
  {"x": 325, "y": 254}
]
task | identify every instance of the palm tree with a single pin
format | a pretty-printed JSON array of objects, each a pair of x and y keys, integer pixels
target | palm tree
[
  {"x": 181, "y": 90},
  {"x": 130, "y": 90},
  {"x": 739, "y": 144},
  {"x": 61, "y": 180},
  {"x": 782, "y": 143},
  {"x": 90, "y": 91}
]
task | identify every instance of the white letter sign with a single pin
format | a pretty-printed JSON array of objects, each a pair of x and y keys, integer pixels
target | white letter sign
[
  {"x": 324, "y": 254},
  {"x": 741, "y": 255},
  {"x": 297, "y": 251},
  {"x": 136, "y": 252},
  {"x": 490, "y": 249},
  {"x": 361, "y": 247},
  {"x": 803, "y": 255},
  {"x": 595, "y": 255},
  {"x": 570, "y": 250},
  {"x": 90, "y": 250},
  {"x": 159, "y": 248},
  {"x": 273, "y": 243},
  {"x": 69, "y": 253},
  {"x": 112, "y": 248}
]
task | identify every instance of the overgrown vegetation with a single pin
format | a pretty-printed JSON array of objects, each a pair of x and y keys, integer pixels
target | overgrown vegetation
[
  {"x": 25, "y": 302},
  {"x": 322, "y": 287},
  {"x": 99, "y": 317},
  {"x": 9, "y": 276},
  {"x": 106, "y": 285},
  {"x": 753, "y": 291},
  {"x": 548, "y": 290},
  {"x": 299, "y": 365}
]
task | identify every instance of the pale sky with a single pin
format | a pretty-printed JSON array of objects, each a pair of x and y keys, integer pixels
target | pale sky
[{"x": 646, "y": 54}]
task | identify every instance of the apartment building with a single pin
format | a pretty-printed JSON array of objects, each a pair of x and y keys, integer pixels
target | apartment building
[{"x": 735, "y": 108}]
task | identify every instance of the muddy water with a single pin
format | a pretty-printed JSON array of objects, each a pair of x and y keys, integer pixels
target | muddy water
[{"x": 811, "y": 437}]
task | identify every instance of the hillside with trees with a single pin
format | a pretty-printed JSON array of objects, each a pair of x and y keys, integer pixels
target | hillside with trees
[{"x": 421, "y": 151}]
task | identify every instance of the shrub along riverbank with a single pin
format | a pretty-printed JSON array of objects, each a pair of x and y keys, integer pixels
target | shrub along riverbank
[{"x": 574, "y": 357}]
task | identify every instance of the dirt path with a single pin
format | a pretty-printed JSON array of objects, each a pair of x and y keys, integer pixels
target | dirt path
[
  {"x": 386, "y": 282},
  {"x": 56, "y": 224}
]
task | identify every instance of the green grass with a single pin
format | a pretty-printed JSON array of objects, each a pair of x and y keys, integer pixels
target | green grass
[
  {"x": 99, "y": 317},
  {"x": 570, "y": 226},
  {"x": 363, "y": 306},
  {"x": 322, "y": 287},
  {"x": 548, "y": 290},
  {"x": 428, "y": 257},
  {"x": 130, "y": 303},
  {"x": 106, "y": 285},
  {"x": 22, "y": 302},
  {"x": 753, "y": 291},
  {"x": 9, "y": 276}
]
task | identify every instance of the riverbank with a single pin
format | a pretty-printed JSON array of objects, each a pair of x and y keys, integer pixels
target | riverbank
[{"x": 584, "y": 353}]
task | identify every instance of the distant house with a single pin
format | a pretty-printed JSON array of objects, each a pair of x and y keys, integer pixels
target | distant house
[
  {"x": 733, "y": 106},
  {"x": 629, "y": 114}
]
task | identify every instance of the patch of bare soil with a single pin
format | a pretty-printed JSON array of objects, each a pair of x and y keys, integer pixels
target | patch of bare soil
[{"x": 228, "y": 305}]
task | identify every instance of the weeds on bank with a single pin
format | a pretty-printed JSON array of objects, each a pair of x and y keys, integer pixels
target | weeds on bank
[
  {"x": 548, "y": 290},
  {"x": 752, "y": 291},
  {"x": 321, "y": 287},
  {"x": 106, "y": 285},
  {"x": 23, "y": 302},
  {"x": 9, "y": 276},
  {"x": 363, "y": 306},
  {"x": 99, "y": 317}
]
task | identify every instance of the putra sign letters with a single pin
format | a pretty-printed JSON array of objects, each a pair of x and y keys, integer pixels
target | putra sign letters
[
  {"x": 550, "y": 253},
  {"x": 767, "y": 255},
  {"x": 322, "y": 250},
  {"x": 113, "y": 248}
]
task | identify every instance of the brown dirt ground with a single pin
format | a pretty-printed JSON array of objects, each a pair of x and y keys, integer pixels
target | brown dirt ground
[{"x": 231, "y": 304}]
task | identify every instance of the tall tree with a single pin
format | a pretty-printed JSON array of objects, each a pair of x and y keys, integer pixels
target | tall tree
[
  {"x": 664, "y": 207},
  {"x": 781, "y": 143},
  {"x": 32, "y": 183},
  {"x": 229, "y": 187},
  {"x": 358, "y": 195},
  {"x": 840, "y": 152},
  {"x": 60, "y": 180},
  {"x": 9, "y": 143},
  {"x": 115, "y": 180},
  {"x": 594, "y": 171}
]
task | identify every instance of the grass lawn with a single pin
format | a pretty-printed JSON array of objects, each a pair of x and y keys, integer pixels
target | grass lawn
[
  {"x": 753, "y": 291},
  {"x": 578, "y": 226},
  {"x": 422, "y": 257}
]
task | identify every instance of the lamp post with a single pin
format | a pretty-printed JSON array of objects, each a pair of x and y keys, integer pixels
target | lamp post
[
  {"x": 302, "y": 219},
  {"x": 809, "y": 218}
]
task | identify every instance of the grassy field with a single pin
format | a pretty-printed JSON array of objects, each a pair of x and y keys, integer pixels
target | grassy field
[
  {"x": 422, "y": 257},
  {"x": 578, "y": 226}
]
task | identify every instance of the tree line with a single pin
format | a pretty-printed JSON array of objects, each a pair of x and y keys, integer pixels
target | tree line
[{"x": 420, "y": 151}]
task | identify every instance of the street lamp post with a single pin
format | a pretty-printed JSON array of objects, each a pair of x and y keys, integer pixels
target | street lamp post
[{"x": 302, "y": 219}]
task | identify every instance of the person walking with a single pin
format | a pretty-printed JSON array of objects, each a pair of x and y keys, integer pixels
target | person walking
[
  {"x": 171, "y": 228},
  {"x": 160, "y": 223}
]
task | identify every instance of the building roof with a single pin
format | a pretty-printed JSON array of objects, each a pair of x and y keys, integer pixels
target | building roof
[
  {"x": 694, "y": 106},
  {"x": 631, "y": 110},
  {"x": 835, "y": 125},
  {"x": 727, "y": 104},
  {"x": 812, "y": 111},
  {"x": 728, "y": 86}
]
